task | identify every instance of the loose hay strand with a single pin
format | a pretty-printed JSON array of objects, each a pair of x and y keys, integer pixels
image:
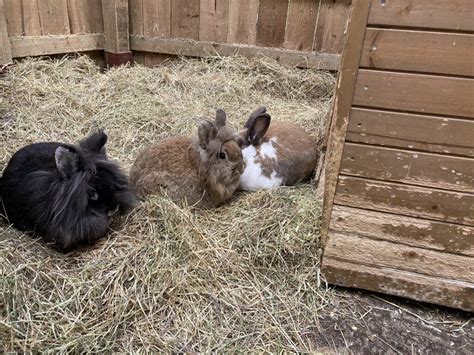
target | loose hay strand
[{"x": 243, "y": 277}]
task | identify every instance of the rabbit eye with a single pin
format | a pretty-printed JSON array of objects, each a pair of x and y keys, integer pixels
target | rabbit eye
[
  {"x": 221, "y": 155},
  {"x": 94, "y": 196}
]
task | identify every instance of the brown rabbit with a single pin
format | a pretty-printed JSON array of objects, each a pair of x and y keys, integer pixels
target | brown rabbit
[
  {"x": 203, "y": 170},
  {"x": 278, "y": 154}
]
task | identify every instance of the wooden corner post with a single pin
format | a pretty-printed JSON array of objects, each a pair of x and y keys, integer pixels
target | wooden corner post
[
  {"x": 5, "y": 50},
  {"x": 345, "y": 87},
  {"x": 116, "y": 31}
]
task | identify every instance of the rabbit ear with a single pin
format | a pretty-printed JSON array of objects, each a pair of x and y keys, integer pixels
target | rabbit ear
[
  {"x": 255, "y": 114},
  {"x": 95, "y": 143},
  {"x": 258, "y": 128},
  {"x": 207, "y": 131},
  {"x": 220, "y": 118},
  {"x": 66, "y": 162}
]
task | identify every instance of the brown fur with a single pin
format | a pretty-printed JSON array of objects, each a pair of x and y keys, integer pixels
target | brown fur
[{"x": 189, "y": 169}]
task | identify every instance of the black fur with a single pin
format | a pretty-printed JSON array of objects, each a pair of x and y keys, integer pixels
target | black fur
[{"x": 64, "y": 192}]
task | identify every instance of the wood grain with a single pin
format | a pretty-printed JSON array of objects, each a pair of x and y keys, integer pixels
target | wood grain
[
  {"x": 417, "y": 232},
  {"x": 415, "y": 92},
  {"x": 157, "y": 18},
  {"x": 85, "y": 16},
  {"x": 406, "y": 200},
  {"x": 412, "y": 285},
  {"x": 116, "y": 26},
  {"x": 438, "y": 14},
  {"x": 300, "y": 24},
  {"x": 135, "y": 10},
  {"x": 271, "y": 22},
  {"x": 185, "y": 19},
  {"x": 331, "y": 28},
  {"x": 411, "y": 131},
  {"x": 415, "y": 168},
  {"x": 31, "y": 18},
  {"x": 14, "y": 17},
  {"x": 53, "y": 17},
  {"x": 214, "y": 19},
  {"x": 242, "y": 24},
  {"x": 419, "y": 51},
  {"x": 5, "y": 51}
]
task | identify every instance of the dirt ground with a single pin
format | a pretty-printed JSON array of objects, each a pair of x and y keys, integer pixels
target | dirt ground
[{"x": 381, "y": 324}]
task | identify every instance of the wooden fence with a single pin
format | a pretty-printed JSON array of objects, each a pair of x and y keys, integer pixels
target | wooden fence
[
  {"x": 399, "y": 202},
  {"x": 307, "y": 33}
]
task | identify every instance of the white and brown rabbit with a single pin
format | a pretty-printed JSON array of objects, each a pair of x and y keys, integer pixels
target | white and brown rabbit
[
  {"x": 203, "y": 170},
  {"x": 275, "y": 155}
]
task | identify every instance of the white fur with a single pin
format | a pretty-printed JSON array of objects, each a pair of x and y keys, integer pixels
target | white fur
[{"x": 252, "y": 178}]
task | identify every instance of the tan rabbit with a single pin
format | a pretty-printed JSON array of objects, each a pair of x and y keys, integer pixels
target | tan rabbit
[
  {"x": 278, "y": 154},
  {"x": 202, "y": 171}
]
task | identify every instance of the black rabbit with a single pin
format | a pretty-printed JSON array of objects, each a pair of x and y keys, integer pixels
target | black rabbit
[{"x": 65, "y": 193}]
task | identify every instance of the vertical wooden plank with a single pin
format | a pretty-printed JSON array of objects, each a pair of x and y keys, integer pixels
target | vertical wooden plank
[
  {"x": 185, "y": 19},
  {"x": 242, "y": 25},
  {"x": 136, "y": 17},
  {"x": 331, "y": 27},
  {"x": 54, "y": 17},
  {"x": 14, "y": 17},
  {"x": 31, "y": 18},
  {"x": 85, "y": 16},
  {"x": 300, "y": 25},
  {"x": 5, "y": 51},
  {"x": 116, "y": 31},
  {"x": 157, "y": 18},
  {"x": 271, "y": 22},
  {"x": 213, "y": 23},
  {"x": 345, "y": 87}
]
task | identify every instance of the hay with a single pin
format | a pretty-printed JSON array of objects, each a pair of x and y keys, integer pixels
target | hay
[{"x": 243, "y": 277}]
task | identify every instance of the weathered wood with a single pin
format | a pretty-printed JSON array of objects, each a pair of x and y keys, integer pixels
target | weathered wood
[
  {"x": 420, "y": 51},
  {"x": 271, "y": 22},
  {"x": 411, "y": 131},
  {"x": 406, "y": 200},
  {"x": 412, "y": 285},
  {"x": 136, "y": 17},
  {"x": 213, "y": 24},
  {"x": 14, "y": 17},
  {"x": 331, "y": 27},
  {"x": 417, "y": 232},
  {"x": 381, "y": 253},
  {"x": 46, "y": 45},
  {"x": 157, "y": 18},
  {"x": 342, "y": 106},
  {"x": 31, "y": 18},
  {"x": 208, "y": 49},
  {"x": 5, "y": 51},
  {"x": 300, "y": 24},
  {"x": 185, "y": 19},
  {"x": 437, "y": 14},
  {"x": 116, "y": 28},
  {"x": 415, "y": 168},
  {"x": 415, "y": 92},
  {"x": 242, "y": 24},
  {"x": 85, "y": 16},
  {"x": 54, "y": 17}
]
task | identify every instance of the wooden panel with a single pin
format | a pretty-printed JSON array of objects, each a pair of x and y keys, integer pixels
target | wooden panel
[
  {"x": 53, "y": 17},
  {"x": 157, "y": 18},
  {"x": 410, "y": 131},
  {"x": 136, "y": 16},
  {"x": 431, "y": 52},
  {"x": 5, "y": 52},
  {"x": 14, "y": 16},
  {"x": 416, "y": 232},
  {"x": 400, "y": 283},
  {"x": 342, "y": 107},
  {"x": 300, "y": 24},
  {"x": 116, "y": 28},
  {"x": 208, "y": 49},
  {"x": 45, "y": 45},
  {"x": 213, "y": 24},
  {"x": 31, "y": 19},
  {"x": 271, "y": 22},
  {"x": 406, "y": 200},
  {"x": 415, "y": 92},
  {"x": 242, "y": 25},
  {"x": 381, "y": 253},
  {"x": 330, "y": 31},
  {"x": 185, "y": 19},
  {"x": 442, "y": 14},
  {"x": 85, "y": 16},
  {"x": 416, "y": 168}
]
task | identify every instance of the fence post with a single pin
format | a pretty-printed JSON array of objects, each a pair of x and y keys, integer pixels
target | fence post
[
  {"x": 5, "y": 50},
  {"x": 116, "y": 31}
]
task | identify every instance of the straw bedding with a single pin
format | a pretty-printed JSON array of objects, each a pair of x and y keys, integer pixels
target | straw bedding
[{"x": 166, "y": 278}]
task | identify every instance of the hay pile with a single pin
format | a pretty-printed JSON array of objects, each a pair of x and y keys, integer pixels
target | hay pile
[{"x": 243, "y": 277}]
